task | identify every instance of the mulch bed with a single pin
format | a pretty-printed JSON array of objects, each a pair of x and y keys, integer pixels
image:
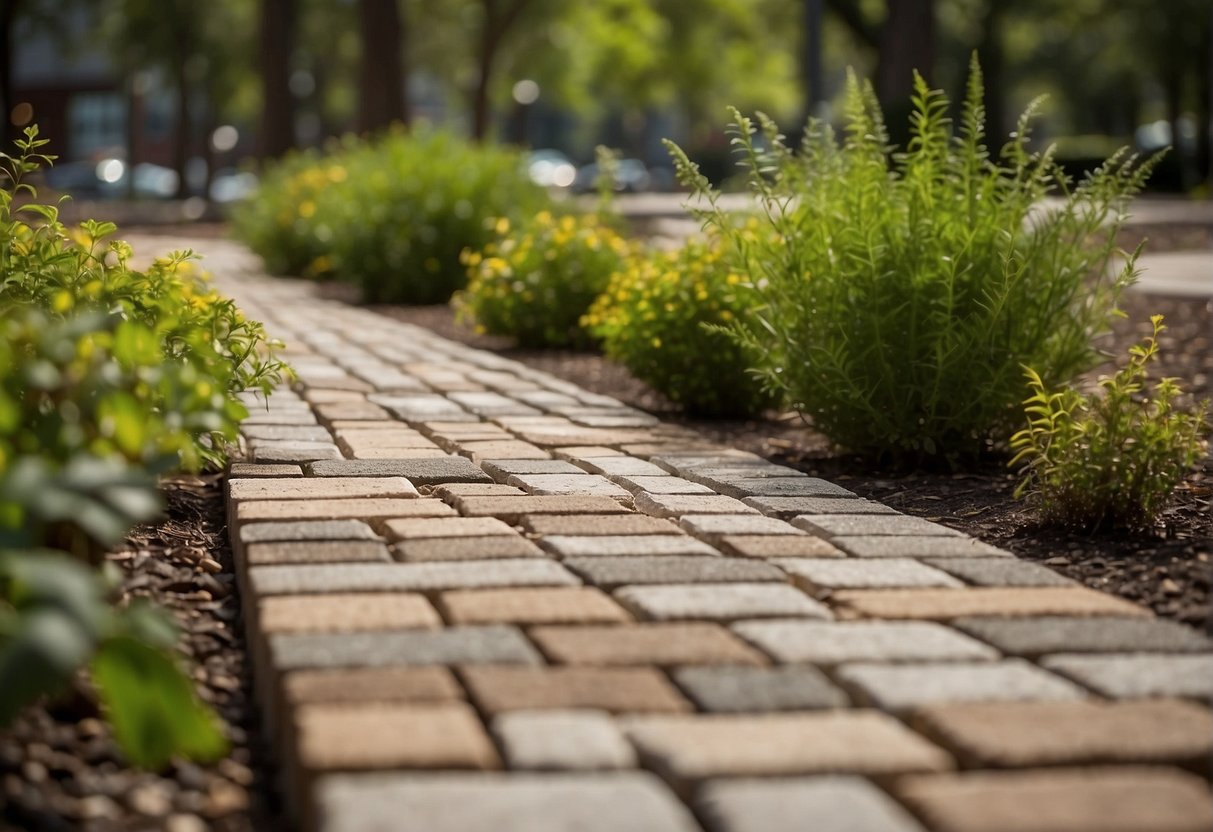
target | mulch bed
[
  {"x": 1167, "y": 569},
  {"x": 59, "y": 766}
]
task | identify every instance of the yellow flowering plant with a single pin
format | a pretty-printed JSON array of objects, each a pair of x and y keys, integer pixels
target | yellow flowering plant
[
  {"x": 661, "y": 317},
  {"x": 535, "y": 282}
]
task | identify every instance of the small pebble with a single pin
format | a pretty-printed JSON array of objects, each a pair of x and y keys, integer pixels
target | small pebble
[
  {"x": 224, "y": 798},
  {"x": 212, "y": 566},
  {"x": 153, "y": 800}
]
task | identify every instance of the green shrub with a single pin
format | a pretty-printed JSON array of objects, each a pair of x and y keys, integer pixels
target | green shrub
[
  {"x": 108, "y": 376},
  {"x": 536, "y": 281},
  {"x": 391, "y": 215},
  {"x": 1110, "y": 460},
  {"x": 655, "y": 318},
  {"x": 901, "y": 292}
]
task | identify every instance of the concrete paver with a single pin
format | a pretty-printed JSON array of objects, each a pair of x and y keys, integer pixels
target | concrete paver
[{"x": 441, "y": 599}]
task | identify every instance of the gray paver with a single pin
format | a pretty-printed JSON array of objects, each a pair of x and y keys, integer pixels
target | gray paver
[
  {"x": 788, "y": 507},
  {"x": 660, "y": 485},
  {"x": 714, "y": 526},
  {"x": 1056, "y": 634},
  {"x": 502, "y": 469},
  {"x": 493, "y": 644},
  {"x": 758, "y": 689},
  {"x": 746, "y": 486},
  {"x": 605, "y": 802},
  {"x": 719, "y": 602},
  {"x": 434, "y": 471},
  {"x": 999, "y": 572},
  {"x": 611, "y": 572},
  {"x": 916, "y": 546},
  {"x": 905, "y": 687},
  {"x": 391, "y": 577},
  {"x": 580, "y": 483},
  {"x": 304, "y": 433},
  {"x": 317, "y": 488},
  {"x": 678, "y": 505},
  {"x": 622, "y": 466},
  {"x": 625, "y": 545},
  {"x": 253, "y": 469},
  {"x": 857, "y": 641},
  {"x": 286, "y": 452},
  {"x": 824, "y": 574},
  {"x": 801, "y": 804},
  {"x": 562, "y": 740},
  {"x": 834, "y": 525},
  {"x": 301, "y": 530},
  {"x": 1136, "y": 675}
]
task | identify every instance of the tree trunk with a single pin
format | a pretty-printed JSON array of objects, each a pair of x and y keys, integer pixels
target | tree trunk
[
  {"x": 993, "y": 69},
  {"x": 811, "y": 73},
  {"x": 382, "y": 82},
  {"x": 277, "y": 134},
  {"x": 496, "y": 24},
  {"x": 8, "y": 17},
  {"x": 907, "y": 43}
]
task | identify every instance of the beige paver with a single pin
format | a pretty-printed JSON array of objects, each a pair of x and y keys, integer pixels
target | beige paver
[
  {"x": 319, "y": 488},
  {"x": 1026, "y": 734},
  {"x": 693, "y": 748},
  {"x": 346, "y": 613},
  {"x": 368, "y": 510},
  {"x": 580, "y": 525},
  {"x": 370, "y": 684},
  {"x": 946, "y": 604},
  {"x": 1125, "y": 799},
  {"x": 427, "y": 528},
  {"x": 560, "y": 605},
  {"x": 498, "y": 688},
  {"x": 637, "y": 644},
  {"x": 777, "y": 546},
  {"x": 408, "y": 735},
  {"x": 512, "y": 509}
]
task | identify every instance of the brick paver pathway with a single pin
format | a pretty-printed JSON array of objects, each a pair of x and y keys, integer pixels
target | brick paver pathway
[{"x": 482, "y": 599}]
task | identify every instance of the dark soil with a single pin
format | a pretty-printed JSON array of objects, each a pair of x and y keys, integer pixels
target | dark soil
[
  {"x": 59, "y": 766},
  {"x": 1167, "y": 568}
]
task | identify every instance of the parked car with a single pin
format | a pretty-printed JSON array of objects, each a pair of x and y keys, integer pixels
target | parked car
[
  {"x": 550, "y": 168},
  {"x": 631, "y": 176}
]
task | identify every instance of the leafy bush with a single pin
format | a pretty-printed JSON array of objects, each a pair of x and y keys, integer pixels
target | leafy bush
[
  {"x": 1110, "y": 460},
  {"x": 391, "y": 215},
  {"x": 108, "y": 376},
  {"x": 655, "y": 318},
  {"x": 901, "y": 291},
  {"x": 535, "y": 282}
]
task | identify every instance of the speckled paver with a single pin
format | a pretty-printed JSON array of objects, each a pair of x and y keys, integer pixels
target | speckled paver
[{"x": 480, "y": 597}]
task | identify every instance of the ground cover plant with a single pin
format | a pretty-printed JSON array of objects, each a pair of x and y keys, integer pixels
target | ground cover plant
[
  {"x": 535, "y": 281},
  {"x": 901, "y": 292},
  {"x": 390, "y": 215},
  {"x": 109, "y": 376},
  {"x": 1110, "y": 459},
  {"x": 657, "y": 315}
]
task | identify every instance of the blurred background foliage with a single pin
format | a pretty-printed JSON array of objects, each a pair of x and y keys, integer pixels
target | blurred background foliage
[{"x": 201, "y": 88}]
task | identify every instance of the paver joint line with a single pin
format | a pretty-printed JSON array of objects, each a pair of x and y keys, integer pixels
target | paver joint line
[{"x": 454, "y": 564}]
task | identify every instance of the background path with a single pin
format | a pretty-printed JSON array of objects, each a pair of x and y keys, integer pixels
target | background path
[{"x": 482, "y": 598}]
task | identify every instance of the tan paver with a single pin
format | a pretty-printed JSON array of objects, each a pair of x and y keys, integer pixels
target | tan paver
[
  {"x": 512, "y": 509},
  {"x": 346, "y": 613},
  {"x": 321, "y": 551},
  {"x": 693, "y": 748},
  {"x": 946, "y": 604},
  {"x": 319, "y": 488},
  {"x": 409, "y": 735},
  {"x": 466, "y": 548},
  {"x": 1026, "y": 734},
  {"x": 370, "y": 684},
  {"x": 637, "y": 644},
  {"x": 369, "y": 510},
  {"x": 426, "y": 528},
  {"x": 580, "y": 525},
  {"x": 497, "y": 688},
  {"x": 1062, "y": 800},
  {"x": 572, "y": 605},
  {"x": 777, "y": 546}
]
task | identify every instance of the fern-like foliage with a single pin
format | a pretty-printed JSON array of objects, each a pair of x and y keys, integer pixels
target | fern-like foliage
[
  {"x": 901, "y": 291},
  {"x": 1109, "y": 460}
]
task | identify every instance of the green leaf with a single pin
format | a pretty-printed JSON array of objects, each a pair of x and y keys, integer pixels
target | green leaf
[
  {"x": 47, "y": 647},
  {"x": 152, "y": 706}
]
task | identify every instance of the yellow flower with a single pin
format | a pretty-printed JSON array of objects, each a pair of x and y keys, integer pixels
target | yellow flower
[
  {"x": 307, "y": 208},
  {"x": 502, "y": 225}
]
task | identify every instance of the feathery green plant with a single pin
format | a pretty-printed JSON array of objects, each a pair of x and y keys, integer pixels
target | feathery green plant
[
  {"x": 1108, "y": 461},
  {"x": 901, "y": 291}
]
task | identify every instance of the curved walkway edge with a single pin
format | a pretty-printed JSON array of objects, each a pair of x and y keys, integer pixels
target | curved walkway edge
[{"x": 483, "y": 599}]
